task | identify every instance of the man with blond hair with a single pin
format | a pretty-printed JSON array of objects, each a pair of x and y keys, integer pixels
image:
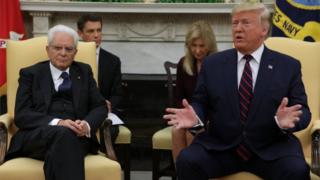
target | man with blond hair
[{"x": 252, "y": 99}]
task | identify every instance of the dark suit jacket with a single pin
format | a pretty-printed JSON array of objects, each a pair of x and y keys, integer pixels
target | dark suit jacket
[
  {"x": 34, "y": 98},
  {"x": 109, "y": 79},
  {"x": 216, "y": 97}
]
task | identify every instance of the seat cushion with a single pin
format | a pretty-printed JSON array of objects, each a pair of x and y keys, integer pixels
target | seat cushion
[
  {"x": 97, "y": 168},
  {"x": 241, "y": 176},
  {"x": 124, "y": 136},
  {"x": 22, "y": 168},
  {"x": 102, "y": 168},
  {"x": 162, "y": 139},
  {"x": 250, "y": 176}
]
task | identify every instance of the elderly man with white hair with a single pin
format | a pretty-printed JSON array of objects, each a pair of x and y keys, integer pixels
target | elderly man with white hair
[{"x": 58, "y": 110}]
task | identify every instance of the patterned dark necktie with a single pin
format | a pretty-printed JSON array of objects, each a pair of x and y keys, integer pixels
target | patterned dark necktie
[
  {"x": 245, "y": 89},
  {"x": 245, "y": 97},
  {"x": 66, "y": 84}
]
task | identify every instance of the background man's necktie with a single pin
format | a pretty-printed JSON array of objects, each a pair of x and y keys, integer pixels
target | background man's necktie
[
  {"x": 66, "y": 84},
  {"x": 245, "y": 96}
]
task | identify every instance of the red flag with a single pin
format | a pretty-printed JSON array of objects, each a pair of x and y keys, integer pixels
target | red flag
[{"x": 11, "y": 27}]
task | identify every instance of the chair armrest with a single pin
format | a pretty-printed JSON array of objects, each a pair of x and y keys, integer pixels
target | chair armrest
[
  {"x": 4, "y": 124},
  {"x": 315, "y": 149},
  {"x": 107, "y": 140},
  {"x": 315, "y": 126},
  {"x": 5, "y": 120}
]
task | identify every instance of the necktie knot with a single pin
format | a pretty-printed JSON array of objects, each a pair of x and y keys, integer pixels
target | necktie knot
[
  {"x": 64, "y": 75},
  {"x": 247, "y": 57}
]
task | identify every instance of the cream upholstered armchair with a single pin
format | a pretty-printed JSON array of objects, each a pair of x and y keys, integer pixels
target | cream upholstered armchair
[
  {"x": 25, "y": 53},
  {"x": 308, "y": 54}
]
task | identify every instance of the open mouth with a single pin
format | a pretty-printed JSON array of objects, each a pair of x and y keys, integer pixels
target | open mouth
[{"x": 238, "y": 38}]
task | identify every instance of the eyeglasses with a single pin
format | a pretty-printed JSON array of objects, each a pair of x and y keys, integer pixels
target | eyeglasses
[{"x": 60, "y": 48}]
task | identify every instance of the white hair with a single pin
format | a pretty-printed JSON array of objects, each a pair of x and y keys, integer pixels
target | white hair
[{"x": 65, "y": 29}]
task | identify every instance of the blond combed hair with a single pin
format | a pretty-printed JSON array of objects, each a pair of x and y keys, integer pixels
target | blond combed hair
[
  {"x": 254, "y": 5},
  {"x": 199, "y": 29}
]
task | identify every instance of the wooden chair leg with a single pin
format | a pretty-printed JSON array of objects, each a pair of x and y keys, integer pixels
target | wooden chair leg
[
  {"x": 173, "y": 166},
  {"x": 155, "y": 164},
  {"x": 127, "y": 161},
  {"x": 110, "y": 153},
  {"x": 3, "y": 141}
]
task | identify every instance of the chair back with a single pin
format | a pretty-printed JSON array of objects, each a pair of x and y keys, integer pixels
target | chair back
[
  {"x": 308, "y": 53},
  {"x": 171, "y": 81},
  {"x": 24, "y": 53}
]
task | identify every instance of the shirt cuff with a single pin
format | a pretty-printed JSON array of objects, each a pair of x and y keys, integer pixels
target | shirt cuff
[
  {"x": 88, "y": 135},
  {"x": 54, "y": 122},
  {"x": 200, "y": 123},
  {"x": 195, "y": 129}
]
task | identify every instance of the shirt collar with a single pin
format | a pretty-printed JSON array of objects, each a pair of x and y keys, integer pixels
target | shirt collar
[
  {"x": 257, "y": 54},
  {"x": 98, "y": 50},
  {"x": 55, "y": 72}
]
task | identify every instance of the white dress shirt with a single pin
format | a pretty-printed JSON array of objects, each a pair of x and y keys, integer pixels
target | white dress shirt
[
  {"x": 254, "y": 64},
  {"x": 97, "y": 55},
  {"x": 56, "y": 73}
]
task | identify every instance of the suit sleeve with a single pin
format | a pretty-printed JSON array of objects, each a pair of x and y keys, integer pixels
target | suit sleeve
[
  {"x": 116, "y": 91},
  {"x": 97, "y": 105},
  {"x": 297, "y": 95},
  {"x": 29, "y": 115},
  {"x": 200, "y": 95}
]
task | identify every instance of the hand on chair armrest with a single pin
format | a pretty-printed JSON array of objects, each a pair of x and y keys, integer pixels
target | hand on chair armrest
[
  {"x": 4, "y": 124},
  {"x": 315, "y": 151},
  {"x": 107, "y": 140}
]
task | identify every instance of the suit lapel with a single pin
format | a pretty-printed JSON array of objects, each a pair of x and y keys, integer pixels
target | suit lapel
[
  {"x": 264, "y": 78},
  {"x": 46, "y": 83},
  {"x": 100, "y": 68},
  {"x": 231, "y": 82},
  {"x": 76, "y": 77}
]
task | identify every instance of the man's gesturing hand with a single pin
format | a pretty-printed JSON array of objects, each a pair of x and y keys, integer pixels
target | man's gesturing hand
[
  {"x": 288, "y": 116},
  {"x": 181, "y": 118}
]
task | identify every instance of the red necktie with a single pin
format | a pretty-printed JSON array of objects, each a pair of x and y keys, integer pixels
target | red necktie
[{"x": 245, "y": 96}]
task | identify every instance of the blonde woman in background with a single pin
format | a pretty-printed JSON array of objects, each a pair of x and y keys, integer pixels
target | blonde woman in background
[{"x": 200, "y": 42}]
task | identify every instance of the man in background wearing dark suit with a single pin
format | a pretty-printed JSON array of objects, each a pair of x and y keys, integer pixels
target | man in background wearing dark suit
[
  {"x": 252, "y": 99},
  {"x": 58, "y": 110},
  {"x": 109, "y": 66}
]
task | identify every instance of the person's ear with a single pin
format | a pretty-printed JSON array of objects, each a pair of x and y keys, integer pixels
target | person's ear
[{"x": 47, "y": 48}]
